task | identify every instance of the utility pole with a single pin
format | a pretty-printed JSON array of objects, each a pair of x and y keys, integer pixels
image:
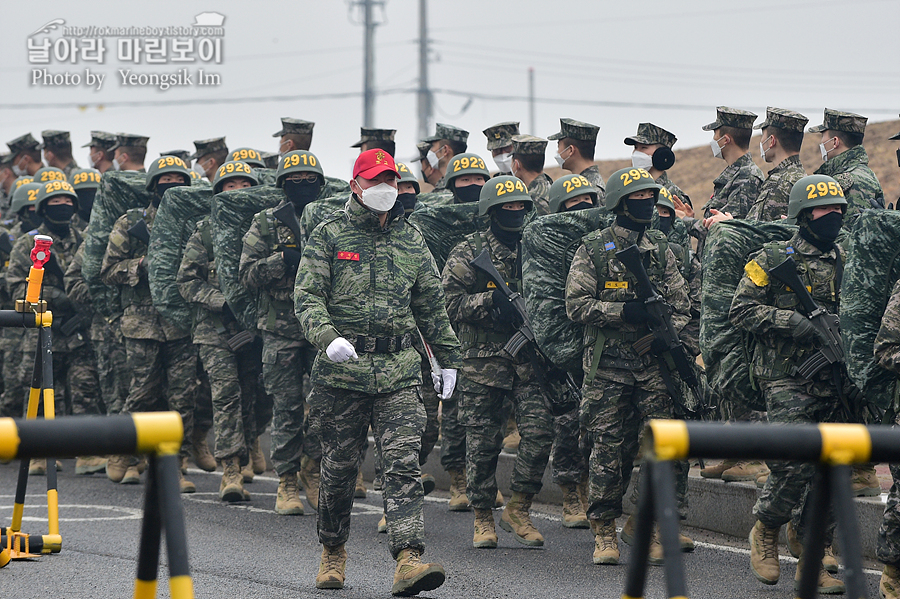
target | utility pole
[
  {"x": 424, "y": 95},
  {"x": 531, "y": 99},
  {"x": 368, "y": 9}
]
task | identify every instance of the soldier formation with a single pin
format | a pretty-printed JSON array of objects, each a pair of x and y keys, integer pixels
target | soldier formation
[{"x": 252, "y": 291}]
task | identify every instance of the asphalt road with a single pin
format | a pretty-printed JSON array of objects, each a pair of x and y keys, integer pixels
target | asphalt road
[{"x": 247, "y": 551}]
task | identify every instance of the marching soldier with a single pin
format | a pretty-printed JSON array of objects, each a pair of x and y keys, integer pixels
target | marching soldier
[
  {"x": 527, "y": 164},
  {"x": 499, "y": 144},
  {"x": 58, "y": 151},
  {"x": 210, "y": 154},
  {"x": 295, "y": 134},
  {"x": 575, "y": 145},
  {"x": 447, "y": 142},
  {"x": 782, "y": 134}
]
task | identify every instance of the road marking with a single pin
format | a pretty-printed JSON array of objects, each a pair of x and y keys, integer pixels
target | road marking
[{"x": 124, "y": 513}]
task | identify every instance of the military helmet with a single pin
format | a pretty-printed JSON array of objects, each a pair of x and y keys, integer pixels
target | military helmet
[
  {"x": 664, "y": 199},
  {"x": 407, "y": 176},
  {"x": 165, "y": 165},
  {"x": 53, "y": 189},
  {"x": 24, "y": 195},
  {"x": 812, "y": 191},
  {"x": 298, "y": 161},
  {"x": 49, "y": 173},
  {"x": 501, "y": 190},
  {"x": 568, "y": 187},
  {"x": 249, "y": 156},
  {"x": 233, "y": 170},
  {"x": 85, "y": 178},
  {"x": 625, "y": 182},
  {"x": 465, "y": 164},
  {"x": 20, "y": 181}
]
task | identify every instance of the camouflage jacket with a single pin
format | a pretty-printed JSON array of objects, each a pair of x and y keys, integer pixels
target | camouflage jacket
[
  {"x": 736, "y": 188},
  {"x": 664, "y": 180},
  {"x": 79, "y": 223},
  {"x": 102, "y": 328},
  {"x": 199, "y": 285},
  {"x": 539, "y": 190},
  {"x": 598, "y": 286},
  {"x": 53, "y": 288},
  {"x": 762, "y": 305},
  {"x": 861, "y": 187},
  {"x": 435, "y": 198},
  {"x": 123, "y": 266},
  {"x": 357, "y": 279},
  {"x": 772, "y": 202},
  {"x": 264, "y": 271},
  {"x": 887, "y": 342},
  {"x": 689, "y": 266},
  {"x": 592, "y": 174}
]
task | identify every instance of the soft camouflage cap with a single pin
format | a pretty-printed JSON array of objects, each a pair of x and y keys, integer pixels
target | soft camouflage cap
[
  {"x": 501, "y": 134},
  {"x": 299, "y": 126},
  {"x": 449, "y": 132},
  {"x": 576, "y": 130},
  {"x": 183, "y": 154},
  {"x": 55, "y": 139},
  {"x": 101, "y": 139},
  {"x": 423, "y": 147},
  {"x": 367, "y": 134},
  {"x": 529, "y": 144},
  {"x": 85, "y": 178},
  {"x": 23, "y": 143},
  {"x": 650, "y": 134},
  {"x": 129, "y": 140},
  {"x": 271, "y": 159},
  {"x": 731, "y": 117},
  {"x": 783, "y": 119},
  {"x": 248, "y": 155},
  {"x": 836, "y": 120},
  {"x": 6, "y": 159},
  {"x": 209, "y": 146}
]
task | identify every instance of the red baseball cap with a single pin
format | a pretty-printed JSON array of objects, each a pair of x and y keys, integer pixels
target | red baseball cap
[{"x": 372, "y": 163}]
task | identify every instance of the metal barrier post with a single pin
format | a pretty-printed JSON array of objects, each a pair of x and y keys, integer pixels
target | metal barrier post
[
  {"x": 848, "y": 531},
  {"x": 814, "y": 542},
  {"x": 151, "y": 533},
  {"x": 636, "y": 574},
  {"x": 667, "y": 518},
  {"x": 180, "y": 584},
  {"x": 45, "y": 348}
]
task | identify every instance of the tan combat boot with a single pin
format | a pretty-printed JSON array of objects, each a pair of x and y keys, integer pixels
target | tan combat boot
[
  {"x": 200, "y": 451},
  {"x": 458, "y": 500},
  {"x": 826, "y": 584},
  {"x": 331, "y": 568},
  {"x": 287, "y": 500},
  {"x": 890, "y": 582},
  {"x": 764, "y": 553},
  {"x": 516, "y": 519},
  {"x": 37, "y": 467},
  {"x": 412, "y": 576},
  {"x": 864, "y": 482},
  {"x": 573, "y": 512},
  {"x": 116, "y": 465},
  {"x": 761, "y": 480},
  {"x": 89, "y": 464},
  {"x": 485, "y": 535},
  {"x": 795, "y": 546},
  {"x": 257, "y": 458},
  {"x": 382, "y": 524},
  {"x": 655, "y": 555},
  {"x": 231, "y": 488},
  {"x": 309, "y": 478},
  {"x": 606, "y": 546},
  {"x": 743, "y": 471},
  {"x": 184, "y": 484},
  {"x": 360, "y": 491},
  {"x": 511, "y": 442},
  {"x": 133, "y": 476},
  {"x": 247, "y": 473},
  {"x": 499, "y": 500},
  {"x": 717, "y": 470}
]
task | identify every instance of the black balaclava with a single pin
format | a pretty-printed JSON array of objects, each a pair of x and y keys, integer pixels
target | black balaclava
[
  {"x": 302, "y": 193},
  {"x": 665, "y": 223},
  {"x": 823, "y": 231},
  {"x": 161, "y": 189},
  {"x": 57, "y": 218},
  {"x": 507, "y": 225},
  {"x": 408, "y": 200},
  {"x": 30, "y": 219},
  {"x": 582, "y": 205},
  {"x": 635, "y": 214},
  {"x": 467, "y": 194},
  {"x": 85, "y": 202}
]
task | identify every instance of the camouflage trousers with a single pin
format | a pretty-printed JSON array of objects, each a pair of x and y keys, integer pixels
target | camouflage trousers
[
  {"x": 568, "y": 464},
  {"x": 887, "y": 550},
  {"x": 789, "y": 401},
  {"x": 398, "y": 421},
  {"x": 163, "y": 369},
  {"x": 453, "y": 436},
  {"x": 75, "y": 386},
  {"x": 284, "y": 363},
  {"x": 614, "y": 414},
  {"x": 14, "y": 392},
  {"x": 203, "y": 407},
  {"x": 234, "y": 383},
  {"x": 481, "y": 412},
  {"x": 113, "y": 373}
]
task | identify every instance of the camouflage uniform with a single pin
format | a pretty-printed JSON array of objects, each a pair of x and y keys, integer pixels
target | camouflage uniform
[
  {"x": 762, "y": 305},
  {"x": 592, "y": 174},
  {"x": 539, "y": 188},
  {"x": 233, "y": 375},
  {"x": 60, "y": 138},
  {"x": 159, "y": 355},
  {"x": 673, "y": 189},
  {"x": 489, "y": 376},
  {"x": 373, "y": 286},
  {"x": 771, "y": 204},
  {"x": 887, "y": 353},
  {"x": 11, "y": 343},
  {"x": 625, "y": 390},
  {"x": 736, "y": 188}
]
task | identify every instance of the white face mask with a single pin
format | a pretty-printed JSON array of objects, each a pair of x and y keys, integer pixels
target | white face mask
[
  {"x": 762, "y": 148},
  {"x": 18, "y": 170},
  {"x": 559, "y": 159},
  {"x": 198, "y": 169},
  {"x": 716, "y": 149},
  {"x": 503, "y": 162},
  {"x": 824, "y": 151},
  {"x": 379, "y": 198},
  {"x": 641, "y": 160},
  {"x": 116, "y": 165},
  {"x": 433, "y": 159}
]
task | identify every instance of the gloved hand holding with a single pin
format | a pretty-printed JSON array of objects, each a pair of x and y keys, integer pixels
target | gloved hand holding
[
  {"x": 503, "y": 310},
  {"x": 291, "y": 258},
  {"x": 341, "y": 350},
  {"x": 801, "y": 327},
  {"x": 445, "y": 383},
  {"x": 635, "y": 312}
]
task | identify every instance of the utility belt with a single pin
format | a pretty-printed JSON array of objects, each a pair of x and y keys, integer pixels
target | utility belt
[
  {"x": 383, "y": 345},
  {"x": 272, "y": 307},
  {"x": 469, "y": 338},
  {"x": 639, "y": 340}
]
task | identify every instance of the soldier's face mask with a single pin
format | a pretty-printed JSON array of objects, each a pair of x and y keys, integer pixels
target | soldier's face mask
[
  {"x": 823, "y": 148},
  {"x": 503, "y": 162},
  {"x": 30, "y": 218},
  {"x": 559, "y": 159},
  {"x": 18, "y": 169},
  {"x": 716, "y": 148},
  {"x": 467, "y": 194},
  {"x": 301, "y": 191},
  {"x": 432, "y": 158},
  {"x": 161, "y": 189},
  {"x": 379, "y": 198},
  {"x": 408, "y": 200},
  {"x": 640, "y": 210},
  {"x": 823, "y": 230},
  {"x": 763, "y": 149},
  {"x": 85, "y": 202},
  {"x": 641, "y": 160}
]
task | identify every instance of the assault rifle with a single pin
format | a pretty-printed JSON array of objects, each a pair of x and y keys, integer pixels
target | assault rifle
[
  {"x": 544, "y": 369},
  {"x": 140, "y": 232},
  {"x": 288, "y": 216},
  {"x": 663, "y": 334}
]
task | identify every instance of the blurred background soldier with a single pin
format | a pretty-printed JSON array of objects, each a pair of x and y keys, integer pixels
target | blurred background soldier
[{"x": 58, "y": 150}]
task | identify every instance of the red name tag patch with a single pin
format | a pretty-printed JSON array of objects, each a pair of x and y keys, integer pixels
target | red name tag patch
[{"x": 348, "y": 256}]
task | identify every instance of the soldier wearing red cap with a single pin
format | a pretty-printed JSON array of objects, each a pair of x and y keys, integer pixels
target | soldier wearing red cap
[{"x": 366, "y": 286}]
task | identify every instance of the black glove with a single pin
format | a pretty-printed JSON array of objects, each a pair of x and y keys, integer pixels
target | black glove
[
  {"x": 504, "y": 311},
  {"x": 801, "y": 328},
  {"x": 227, "y": 314},
  {"x": 635, "y": 312},
  {"x": 291, "y": 258},
  {"x": 658, "y": 346}
]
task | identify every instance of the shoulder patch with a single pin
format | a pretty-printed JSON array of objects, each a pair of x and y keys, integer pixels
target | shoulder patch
[
  {"x": 611, "y": 245},
  {"x": 845, "y": 180},
  {"x": 756, "y": 273}
]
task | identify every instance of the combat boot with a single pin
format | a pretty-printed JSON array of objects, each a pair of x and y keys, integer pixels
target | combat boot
[
  {"x": 655, "y": 555},
  {"x": 89, "y": 464},
  {"x": 458, "y": 500},
  {"x": 744, "y": 471},
  {"x": 606, "y": 546},
  {"x": 573, "y": 512},
  {"x": 360, "y": 491},
  {"x": 331, "y": 568},
  {"x": 200, "y": 451},
  {"x": 287, "y": 500},
  {"x": 764, "y": 553},
  {"x": 795, "y": 546},
  {"x": 116, "y": 465},
  {"x": 231, "y": 488},
  {"x": 412, "y": 576},
  {"x": 133, "y": 477},
  {"x": 717, "y": 470},
  {"x": 37, "y": 467},
  {"x": 826, "y": 584},
  {"x": 247, "y": 473},
  {"x": 890, "y": 582},
  {"x": 864, "y": 482},
  {"x": 499, "y": 500},
  {"x": 761, "y": 480},
  {"x": 309, "y": 478},
  {"x": 428, "y": 483},
  {"x": 257, "y": 458},
  {"x": 515, "y": 519},
  {"x": 511, "y": 442},
  {"x": 686, "y": 543},
  {"x": 485, "y": 534},
  {"x": 382, "y": 524}
]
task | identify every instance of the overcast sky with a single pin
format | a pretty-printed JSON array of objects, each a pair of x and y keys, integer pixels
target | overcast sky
[{"x": 593, "y": 61}]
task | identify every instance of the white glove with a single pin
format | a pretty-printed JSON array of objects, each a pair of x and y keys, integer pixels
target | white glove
[
  {"x": 341, "y": 350},
  {"x": 445, "y": 383}
]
